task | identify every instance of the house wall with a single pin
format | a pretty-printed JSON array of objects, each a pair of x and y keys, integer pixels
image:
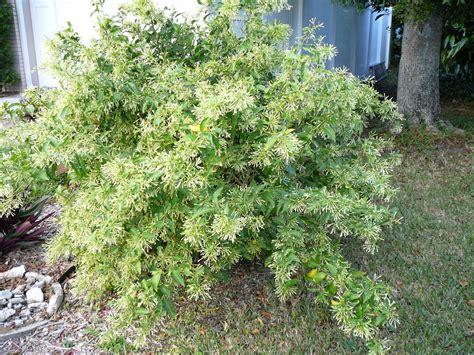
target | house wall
[{"x": 360, "y": 40}]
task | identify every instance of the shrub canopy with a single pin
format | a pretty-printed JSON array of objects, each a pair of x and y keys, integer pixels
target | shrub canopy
[{"x": 178, "y": 148}]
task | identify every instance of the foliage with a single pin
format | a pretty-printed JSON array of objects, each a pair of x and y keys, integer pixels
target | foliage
[
  {"x": 33, "y": 101},
  {"x": 22, "y": 226},
  {"x": 20, "y": 182},
  {"x": 186, "y": 148},
  {"x": 454, "y": 88},
  {"x": 458, "y": 42},
  {"x": 7, "y": 73}
]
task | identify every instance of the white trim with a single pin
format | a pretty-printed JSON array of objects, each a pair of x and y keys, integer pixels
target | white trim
[
  {"x": 24, "y": 43},
  {"x": 388, "y": 38},
  {"x": 370, "y": 39},
  {"x": 299, "y": 19}
]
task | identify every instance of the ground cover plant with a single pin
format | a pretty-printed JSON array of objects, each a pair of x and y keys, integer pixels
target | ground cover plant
[{"x": 177, "y": 149}]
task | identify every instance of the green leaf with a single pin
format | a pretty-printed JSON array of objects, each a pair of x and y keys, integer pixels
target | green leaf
[
  {"x": 169, "y": 307},
  {"x": 332, "y": 269},
  {"x": 292, "y": 283},
  {"x": 290, "y": 170},
  {"x": 332, "y": 289},
  {"x": 165, "y": 292},
  {"x": 155, "y": 280},
  {"x": 354, "y": 296},
  {"x": 175, "y": 274},
  {"x": 195, "y": 128},
  {"x": 379, "y": 320},
  {"x": 358, "y": 274},
  {"x": 30, "y": 109},
  {"x": 320, "y": 276},
  {"x": 330, "y": 133},
  {"x": 203, "y": 125},
  {"x": 142, "y": 311},
  {"x": 270, "y": 142},
  {"x": 63, "y": 113},
  {"x": 149, "y": 237}
]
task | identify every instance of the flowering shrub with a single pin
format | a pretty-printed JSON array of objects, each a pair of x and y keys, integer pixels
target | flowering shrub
[{"x": 186, "y": 147}]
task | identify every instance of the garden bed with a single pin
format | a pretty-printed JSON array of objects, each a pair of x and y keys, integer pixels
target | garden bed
[{"x": 45, "y": 334}]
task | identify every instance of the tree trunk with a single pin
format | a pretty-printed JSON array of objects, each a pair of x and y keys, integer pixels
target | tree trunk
[{"x": 418, "y": 77}]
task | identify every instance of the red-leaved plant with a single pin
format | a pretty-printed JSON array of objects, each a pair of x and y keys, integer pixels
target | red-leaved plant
[{"x": 22, "y": 226}]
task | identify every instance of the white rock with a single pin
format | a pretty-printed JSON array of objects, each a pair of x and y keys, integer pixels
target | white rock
[
  {"x": 37, "y": 279},
  {"x": 25, "y": 313},
  {"x": 56, "y": 299},
  {"x": 39, "y": 284},
  {"x": 6, "y": 313},
  {"x": 3, "y": 302},
  {"x": 47, "y": 279},
  {"x": 30, "y": 280},
  {"x": 19, "y": 289},
  {"x": 17, "y": 300},
  {"x": 13, "y": 273},
  {"x": 37, "y": 305},
  {"x": 34, "y": 295},
  {"x": 33, "y": 274},
  {"x": 18, "y": 322},
  {"x": 6, "y": 294}
]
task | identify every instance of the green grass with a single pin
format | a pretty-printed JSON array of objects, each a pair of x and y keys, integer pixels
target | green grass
[
  {"x": 427, "y": 259},
  {"x": 460, "y": 115}
]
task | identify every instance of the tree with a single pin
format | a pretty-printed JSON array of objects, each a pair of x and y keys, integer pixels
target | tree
[
  {"x": 418, "y": 74},
  {"x": 418, "y": 79}
]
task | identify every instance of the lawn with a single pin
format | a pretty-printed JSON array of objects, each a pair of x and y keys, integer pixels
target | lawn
[{"x": 427, "y": 259}]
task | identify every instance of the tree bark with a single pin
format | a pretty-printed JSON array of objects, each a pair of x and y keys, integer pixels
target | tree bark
[{"x": 418, "y": 77}]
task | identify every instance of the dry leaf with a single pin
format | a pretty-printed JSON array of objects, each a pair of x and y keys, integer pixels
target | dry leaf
[
  {"x": 61, "y": 169},
  {"x": 464, "y": 283}
]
